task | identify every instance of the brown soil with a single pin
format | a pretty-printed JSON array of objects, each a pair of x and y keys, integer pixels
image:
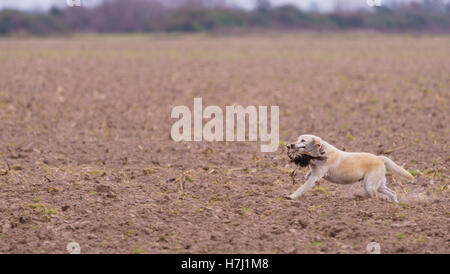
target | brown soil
[{"x": 85, "y": 152}]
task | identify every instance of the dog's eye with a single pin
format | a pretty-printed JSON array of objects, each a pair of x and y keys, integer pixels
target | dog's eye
[{"x": 303, "y": 140}]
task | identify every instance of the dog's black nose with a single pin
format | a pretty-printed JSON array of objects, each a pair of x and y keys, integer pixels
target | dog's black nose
[{"x": 292, "y": 146}]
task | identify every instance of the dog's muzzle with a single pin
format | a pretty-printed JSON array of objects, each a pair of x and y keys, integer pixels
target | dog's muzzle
[{"x": 293, "y": 146}]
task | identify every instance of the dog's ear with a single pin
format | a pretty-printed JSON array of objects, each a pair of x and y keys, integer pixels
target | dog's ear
[
  {"x": 315, "y": 147},
  {"x": 317, "y": 142},
  {"x": 321, "y": 148}
]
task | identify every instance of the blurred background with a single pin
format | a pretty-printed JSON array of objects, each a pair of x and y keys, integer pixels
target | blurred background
[{"x": 42, "y": 17}]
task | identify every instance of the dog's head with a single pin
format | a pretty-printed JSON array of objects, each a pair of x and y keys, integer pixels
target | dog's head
[
  {"x": 310, "y": 145},
  {"x": 307, "y": 148}
]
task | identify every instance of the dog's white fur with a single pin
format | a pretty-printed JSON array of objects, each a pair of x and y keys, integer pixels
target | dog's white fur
[{"x": 347, "y": 167}]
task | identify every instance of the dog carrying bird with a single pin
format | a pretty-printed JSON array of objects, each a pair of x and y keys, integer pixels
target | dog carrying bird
[{"x": 341, "y": 167}]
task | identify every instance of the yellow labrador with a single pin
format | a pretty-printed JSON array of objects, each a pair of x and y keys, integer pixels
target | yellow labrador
[{"x": 337, "y": 166}]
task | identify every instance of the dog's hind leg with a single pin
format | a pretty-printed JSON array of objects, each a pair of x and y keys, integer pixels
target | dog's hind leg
[
  {"x": 385, "y": 190},
  {"x": 372, "y": 183}
]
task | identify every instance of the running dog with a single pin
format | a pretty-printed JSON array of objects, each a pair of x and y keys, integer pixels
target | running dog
[{"x": 337, "y": 166}]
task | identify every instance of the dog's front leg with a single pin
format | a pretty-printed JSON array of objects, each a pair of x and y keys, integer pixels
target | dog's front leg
[
  {"x": 308, "y": 185},
  {"x": 308, "y": 174}
]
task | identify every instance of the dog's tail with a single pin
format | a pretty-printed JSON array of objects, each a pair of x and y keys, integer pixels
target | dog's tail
[{"x": 396, "y": 169}]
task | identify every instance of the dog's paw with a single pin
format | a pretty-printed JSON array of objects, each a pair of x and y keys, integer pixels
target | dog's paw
[{"x": 288, "y": 197}]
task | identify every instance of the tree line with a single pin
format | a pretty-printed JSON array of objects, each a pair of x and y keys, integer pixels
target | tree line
[{"x": 196, "y": 15}]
